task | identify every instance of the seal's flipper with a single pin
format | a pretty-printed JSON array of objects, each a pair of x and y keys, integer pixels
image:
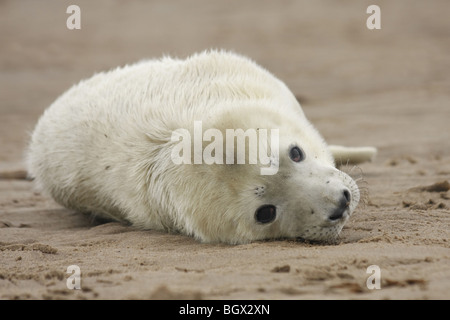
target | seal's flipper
[{"x": 352, "y": 155}]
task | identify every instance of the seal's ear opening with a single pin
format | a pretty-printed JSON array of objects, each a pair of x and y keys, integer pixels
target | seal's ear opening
[{"x": 266, "y": 213}]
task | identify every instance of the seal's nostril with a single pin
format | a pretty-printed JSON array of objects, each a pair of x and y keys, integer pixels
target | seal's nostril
[
  {"x": 347, "y": 196},
  {"x": 337, "y": 214},
  {"x": 343, "y": 205}
]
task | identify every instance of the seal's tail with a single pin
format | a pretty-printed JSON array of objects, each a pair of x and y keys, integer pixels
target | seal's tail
[{"x": 352, "y": 155}]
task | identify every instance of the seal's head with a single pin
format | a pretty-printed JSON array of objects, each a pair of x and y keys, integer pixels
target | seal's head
[
  {"x": 305, "y": 196},
  {"x": 308, "y": 197}
]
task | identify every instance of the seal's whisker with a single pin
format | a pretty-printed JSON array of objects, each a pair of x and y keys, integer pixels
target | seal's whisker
[{"x": 357, "y": 175}]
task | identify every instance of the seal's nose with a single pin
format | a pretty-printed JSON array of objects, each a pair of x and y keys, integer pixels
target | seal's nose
[{"x": 344, "y": 203}]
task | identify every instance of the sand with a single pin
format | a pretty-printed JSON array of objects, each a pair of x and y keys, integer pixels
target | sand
[{"x": 387, "y": 88}]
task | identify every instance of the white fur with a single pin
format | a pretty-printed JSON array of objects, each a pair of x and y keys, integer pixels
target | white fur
[{"x": 104, "y": 147}]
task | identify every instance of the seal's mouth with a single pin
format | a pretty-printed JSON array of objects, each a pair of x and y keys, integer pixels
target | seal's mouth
[
  {"x": 327, "y": 235},
  {"x": 326, "y": 232}
]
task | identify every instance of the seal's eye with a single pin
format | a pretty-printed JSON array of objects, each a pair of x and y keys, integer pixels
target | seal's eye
[
  {"x": 296, "y": 154},
  {"x": 266, "y": 213}
]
